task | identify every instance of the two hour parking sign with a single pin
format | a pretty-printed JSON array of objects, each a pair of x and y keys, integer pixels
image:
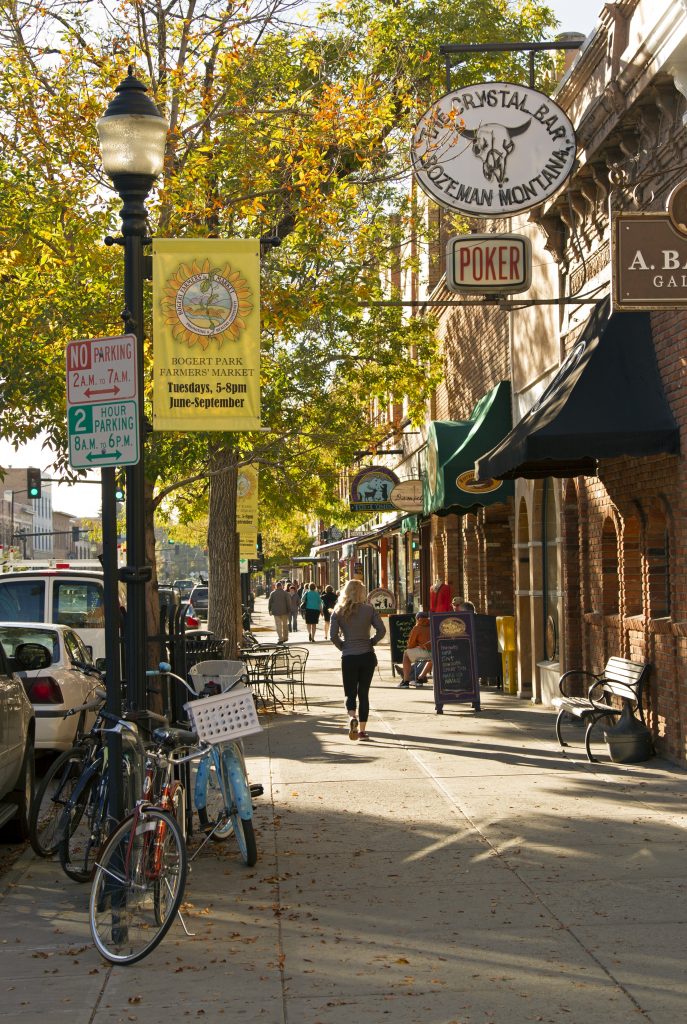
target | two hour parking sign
[{"x": 102, "y": 402}]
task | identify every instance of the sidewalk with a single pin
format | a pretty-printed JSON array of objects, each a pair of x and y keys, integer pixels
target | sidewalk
[{"x": 457, "y": 869}]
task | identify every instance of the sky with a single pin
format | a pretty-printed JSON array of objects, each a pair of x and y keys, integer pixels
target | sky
[
  {"x": 576, "y": 15},
  {"x": 84, "y": 499}
]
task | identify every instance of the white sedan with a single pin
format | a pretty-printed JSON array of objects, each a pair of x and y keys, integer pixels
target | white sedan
[{"x": 58, "y": 674}]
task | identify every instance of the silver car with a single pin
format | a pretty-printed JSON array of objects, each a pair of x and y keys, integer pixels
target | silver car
[{"x": 17, "y": 737}]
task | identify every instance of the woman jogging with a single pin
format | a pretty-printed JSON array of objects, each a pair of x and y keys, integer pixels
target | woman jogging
[{"x": 349, "y": 630}]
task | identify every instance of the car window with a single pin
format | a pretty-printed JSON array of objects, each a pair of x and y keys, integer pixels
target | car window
[
  {"x": 199, "y": 593},
  {"x": 78, "y": 603},
  {"x": 71, "y": 646},
  {"x": 84, "y": 653},
  {"x": 12, "y": 636},
  {"x": 4, "y": 668},
  {"x": 22, "y": 600}
]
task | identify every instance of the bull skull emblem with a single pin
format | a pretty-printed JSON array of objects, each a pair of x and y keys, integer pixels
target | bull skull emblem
[{"x": 493, "y": 144}]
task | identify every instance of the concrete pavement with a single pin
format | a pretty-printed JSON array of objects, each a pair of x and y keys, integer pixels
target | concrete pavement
[{"x": 456, "y": 869}]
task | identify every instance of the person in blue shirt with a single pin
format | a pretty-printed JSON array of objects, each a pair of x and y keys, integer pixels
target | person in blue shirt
[{"x": 312, "y": 606}]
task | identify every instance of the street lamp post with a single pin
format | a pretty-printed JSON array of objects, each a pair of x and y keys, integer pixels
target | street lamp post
[{"x": 133, "y": 135}]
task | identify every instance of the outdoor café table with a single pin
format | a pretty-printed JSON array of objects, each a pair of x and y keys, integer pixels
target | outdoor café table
[{"x": 260, "y": 667}]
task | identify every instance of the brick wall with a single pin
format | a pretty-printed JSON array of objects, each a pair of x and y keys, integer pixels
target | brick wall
[
  {"x": 633, "y": 537},
  {"x": 475, "y": 357}
]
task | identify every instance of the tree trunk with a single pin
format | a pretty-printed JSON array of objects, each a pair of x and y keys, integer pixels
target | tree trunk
[{"x": 224, "y": 583}]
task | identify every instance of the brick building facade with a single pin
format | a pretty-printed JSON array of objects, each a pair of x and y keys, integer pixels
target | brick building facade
[
  {"x": 591, "y": 565},
  {"x": 599, "y": 559}
]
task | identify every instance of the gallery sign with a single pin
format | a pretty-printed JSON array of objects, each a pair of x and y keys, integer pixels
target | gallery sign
[
  {"x": 493, "y": 149},
  {"x": 649, "y": 262},
  {"x": 371, "y": 490},
  {"x": 489, "y": 264}
]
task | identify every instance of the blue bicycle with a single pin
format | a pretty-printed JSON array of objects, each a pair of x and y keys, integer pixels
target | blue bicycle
[{"x": 223, "y": 710}]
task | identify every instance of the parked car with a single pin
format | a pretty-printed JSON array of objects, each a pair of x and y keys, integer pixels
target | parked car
[
  {"x": 171, "y": 595},
  {"x": 199, "y": 600},
  {"x": 184, "y": 587},
  {"x": 17, "y": 732},
  {"x": 69, "y": 597},
  {"x": 57, "y": 673}
]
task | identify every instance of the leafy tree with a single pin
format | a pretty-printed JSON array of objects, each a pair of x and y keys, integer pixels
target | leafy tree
[{"x": 278, "y": 127}]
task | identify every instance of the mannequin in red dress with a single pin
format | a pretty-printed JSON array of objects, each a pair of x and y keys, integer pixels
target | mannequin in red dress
[{"x": 439, "y": 597}]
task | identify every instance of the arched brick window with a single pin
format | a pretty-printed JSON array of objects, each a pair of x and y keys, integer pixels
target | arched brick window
[
  {"x": 609, "y": 568},
  {"x": 658, "y": 562},
  {"x": 632, "y": 566}
]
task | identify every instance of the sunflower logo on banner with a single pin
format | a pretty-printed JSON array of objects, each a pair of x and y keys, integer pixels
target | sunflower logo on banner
[
  {"x": 202, "y": 303},
  {"x": 206, "y": 322}
]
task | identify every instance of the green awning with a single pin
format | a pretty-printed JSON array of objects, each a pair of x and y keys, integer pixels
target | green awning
[
  {"x": 452, "y": 448},
  {"x": 409, "y": 524}
]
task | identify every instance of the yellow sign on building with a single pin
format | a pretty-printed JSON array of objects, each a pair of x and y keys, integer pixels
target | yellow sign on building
[{"x": 206, "y": 331}]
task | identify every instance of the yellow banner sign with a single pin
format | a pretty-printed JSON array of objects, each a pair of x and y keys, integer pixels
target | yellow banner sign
[
  {"x": 247, "y": 500},
  {"x": 206, "y": 332},
  {"x": 248, "y": 546},
  {"x": 247, "y": 510}
]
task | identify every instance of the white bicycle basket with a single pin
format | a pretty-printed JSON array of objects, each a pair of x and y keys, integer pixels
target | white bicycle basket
[
  {"x": 224, "y": 673},
  {"x": 228, "y": 716}
]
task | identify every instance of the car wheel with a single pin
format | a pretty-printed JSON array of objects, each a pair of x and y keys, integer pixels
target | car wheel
[{"x": 23, "y": 795}]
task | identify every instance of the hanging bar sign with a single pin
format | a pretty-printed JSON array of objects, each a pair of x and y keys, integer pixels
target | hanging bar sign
[{"x": 488, "y": 264}]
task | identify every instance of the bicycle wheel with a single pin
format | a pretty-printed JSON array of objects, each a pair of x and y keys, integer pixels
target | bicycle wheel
[
  {"x": 177, "y": 798},
  {"x": 138, "y": 886},
  {"x": 241, "y": 809},
  {"x": 216, "y": 801},
  {"x": 50, "y": 800},
  {"x": 84, "y": 833}
]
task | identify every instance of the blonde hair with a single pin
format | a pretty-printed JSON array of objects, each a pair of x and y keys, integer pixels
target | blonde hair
[{"x": 353, "y": 595}]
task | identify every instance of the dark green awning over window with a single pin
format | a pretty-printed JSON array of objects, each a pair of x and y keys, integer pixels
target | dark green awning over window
[
  {"x": 409, "y": 524},
  {"x": 453, "y": 447}
]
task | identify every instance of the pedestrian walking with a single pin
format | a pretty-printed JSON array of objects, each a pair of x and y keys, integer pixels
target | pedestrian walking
[
  {"x": 312, "y": 607},
  {"x": 418, "y": 649},
  {"x": 294, "y": 605},
  {"x": 329, "y": 599},
  {"x": 352, "y": 619},
  {"x": 278, "y": 606}
]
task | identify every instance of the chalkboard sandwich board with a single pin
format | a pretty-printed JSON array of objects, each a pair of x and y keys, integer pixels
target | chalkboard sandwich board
[
  {"x": 399, "y": 631},
  {"x": 454, "y": 663}
]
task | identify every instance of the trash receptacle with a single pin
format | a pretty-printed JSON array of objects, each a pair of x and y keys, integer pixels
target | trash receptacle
[{"x": 505, "y": 632}]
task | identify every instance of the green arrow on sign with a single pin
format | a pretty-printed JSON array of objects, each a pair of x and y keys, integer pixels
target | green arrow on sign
[{"x": 103, "y": 455}]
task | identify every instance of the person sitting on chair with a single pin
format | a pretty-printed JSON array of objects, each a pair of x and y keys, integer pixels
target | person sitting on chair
[{"x": 418, "y": 649}]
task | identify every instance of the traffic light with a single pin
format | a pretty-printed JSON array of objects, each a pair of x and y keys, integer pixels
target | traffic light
[
  {"x": 119, "y": 491},
  {"x": 33, "y": 483},
  {"x": 75, "y": 534},
  {"x": 258, "y": 546}
]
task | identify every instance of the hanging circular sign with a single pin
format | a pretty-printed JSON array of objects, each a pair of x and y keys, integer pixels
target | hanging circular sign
[
  {"x": 466, "y": 482},
  {"x": 677, "y": 207},
  {"x": 407, "y": 496},
  {"x": 371, "y": 488},
  {"x": 493, "y": 149},
  {"x": 383, "y": 600}
]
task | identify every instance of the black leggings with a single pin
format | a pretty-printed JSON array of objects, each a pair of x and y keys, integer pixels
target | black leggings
[{"x": 357, "y": 671}]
